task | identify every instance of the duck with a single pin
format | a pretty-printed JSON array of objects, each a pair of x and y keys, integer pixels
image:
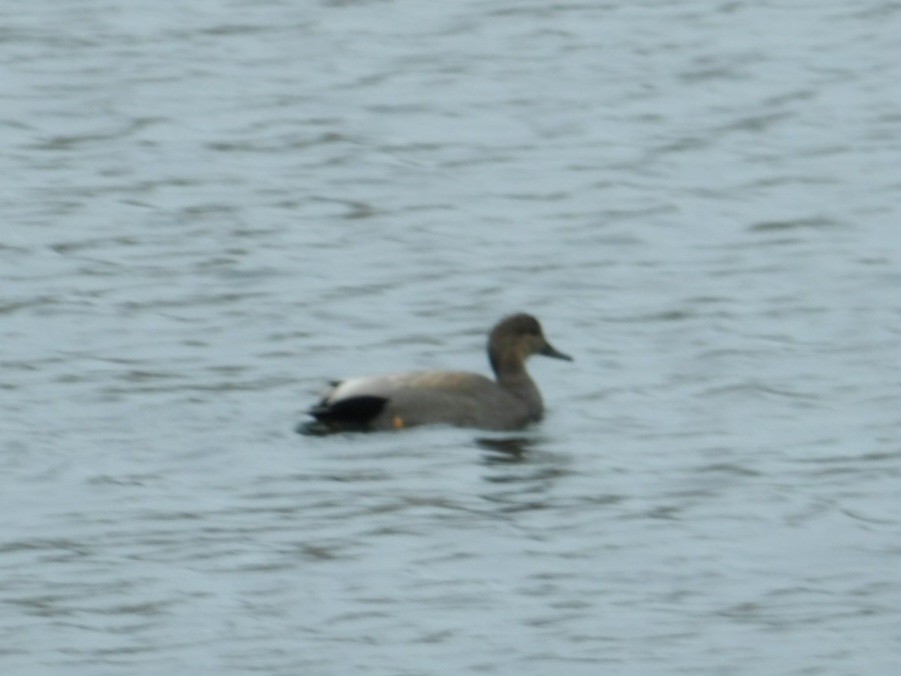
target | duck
[{"x": 396, "y": 401}]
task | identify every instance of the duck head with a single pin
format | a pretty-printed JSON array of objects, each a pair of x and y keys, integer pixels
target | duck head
[{"x": 516, "y": 338}]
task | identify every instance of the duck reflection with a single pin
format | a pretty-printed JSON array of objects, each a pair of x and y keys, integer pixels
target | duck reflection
[
  {"x": 521, "y": 475},
  {"x": 506, "y": 449}
]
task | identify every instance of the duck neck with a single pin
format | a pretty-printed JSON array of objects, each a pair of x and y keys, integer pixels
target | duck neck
[{"x": 511, "y": 375}]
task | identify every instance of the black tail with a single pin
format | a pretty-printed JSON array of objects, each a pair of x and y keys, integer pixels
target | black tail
[{"x": 345, "y": 415}]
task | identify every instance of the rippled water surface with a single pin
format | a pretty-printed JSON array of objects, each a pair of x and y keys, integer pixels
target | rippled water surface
[{"x": 210, "y": 209}]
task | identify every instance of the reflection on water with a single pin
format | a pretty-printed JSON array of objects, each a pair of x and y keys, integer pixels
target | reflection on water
[
  {"x": 523, "y": 475},
  {"x": 506, "y": 449}
]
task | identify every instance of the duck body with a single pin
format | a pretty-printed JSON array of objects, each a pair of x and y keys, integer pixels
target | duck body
[{"x": 399, "y": 400}]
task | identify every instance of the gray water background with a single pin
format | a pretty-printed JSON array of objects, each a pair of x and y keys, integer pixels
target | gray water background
[{"x": 210, "y": 209}]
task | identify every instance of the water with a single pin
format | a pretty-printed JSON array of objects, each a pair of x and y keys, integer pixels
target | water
[{"x": 211, "y": 209}]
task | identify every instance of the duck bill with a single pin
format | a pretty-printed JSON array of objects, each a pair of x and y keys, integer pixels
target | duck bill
[{"x": 550, "y": 351}]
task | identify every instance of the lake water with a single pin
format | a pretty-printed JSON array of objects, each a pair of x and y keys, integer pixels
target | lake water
[{"x": 211, "y": 209}]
